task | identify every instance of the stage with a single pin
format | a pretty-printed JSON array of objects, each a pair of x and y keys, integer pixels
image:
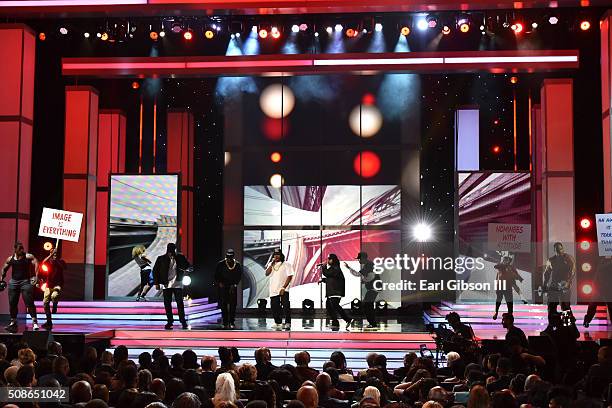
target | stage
[{"x": 139, "y": 326}]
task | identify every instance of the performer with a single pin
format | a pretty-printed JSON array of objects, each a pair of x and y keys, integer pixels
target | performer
[
  {"x": 22, "y": 282},
  {"x": 558, "y": 277},
  {"x": 168, "y": 275},
  {"x": 54, "y": 283},
  {"x": 280, "y": 273},
  {"x": 138, "y": 254},
  {"x": 507, "y": 276},
  {"x": 228, "y": 275},
  {"x": 603, "y": 283},
  {"x": 369, "y": 279},
  {"x": 334, "y": 290}
]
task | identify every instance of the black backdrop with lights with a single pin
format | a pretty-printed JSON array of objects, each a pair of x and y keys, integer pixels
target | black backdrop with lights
[{"x": 440, "y": 95}]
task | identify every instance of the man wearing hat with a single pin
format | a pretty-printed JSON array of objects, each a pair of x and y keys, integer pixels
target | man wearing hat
[
  {"x": 227, "y": 276},
  {"x": 369, "y": 278},
  {"x": 334, "y": 290},
  {"x": 280, "y": 273}
]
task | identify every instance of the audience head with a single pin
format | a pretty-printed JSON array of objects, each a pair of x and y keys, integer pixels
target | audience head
[
  {"x": 26, "y": 356},
  {"x": 187, "y": 400},
  {"x": 54, "y": 348},
  {"x": 339, "y": 360},
  {"x": 263, "y": 355},
  {"x": 308, "y": 396},
  {"x": 144, "y": 380},
  {"x": 80, "y": 392},
  {"x": 247, "y": 373},
  {"x": 503, "y": 399},
  {"x": 225, "y": 388},
  {"x": 323, "y": 384},
  {"x": 120, "y": 354},
  {"x": 25, "y": 376},
  {"x": 144, "y": 360},
  {"x": 409, "y": 359},
  {"x": 372, "y": 392},
  {"x": 264, "y": 392},
  {"x": 302, "y": 359},
  {"x": 177, "y": 361},
  {"x": 158, "y": 386},
  {"x": 371, "y": 359},
  {"x": 478, "y": 398},
  {"x": 174, "y": 388},
  {"x": 96, "y": 403},
  {"x": 100, "y": 391},
  {"x": 504, "y": 365},
  {"x": 226, "y": 356},
  {"x": 209, "y": 363},
  {"x": 190, "y": 359},
  {"x": 10, "y": 375},
  {"x": 3, "y": 351}
]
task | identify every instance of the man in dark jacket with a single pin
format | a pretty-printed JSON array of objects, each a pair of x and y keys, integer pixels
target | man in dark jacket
[
  {"x": 227, "y": 276},
  {"x": 334, "y": 290},
  {"x": 168, "y": 275}
]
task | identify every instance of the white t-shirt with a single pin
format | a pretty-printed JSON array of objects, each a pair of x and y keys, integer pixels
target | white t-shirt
[
  {"x": 173, "y": 282},
  {"x": 280, "y": 272}
]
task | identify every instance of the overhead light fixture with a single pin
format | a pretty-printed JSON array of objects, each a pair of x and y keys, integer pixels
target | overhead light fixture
[
  {"x": 446, "y": 30},
  {"x": 517, "y": 28},
  {"x": 405, "y": 31},
  {"x": 275, "y": 33},
  {"x": 553, "y": 20},
  {"x": 378, "y": 27},
  {"x": 432, "y": 21},
  {"x": 585, "y": 25},
  {"x": 188, "y": 35},
  {"x": 295, "y": 28},
  {"x": 63, "y": 30},
  {"x": 86, "y": 34},
  {"x": 422, "y": 24},
  {"x": 338, "y": 28}
]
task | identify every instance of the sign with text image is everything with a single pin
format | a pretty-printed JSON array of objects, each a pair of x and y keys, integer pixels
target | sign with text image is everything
[{"x": 60, "y": 224}]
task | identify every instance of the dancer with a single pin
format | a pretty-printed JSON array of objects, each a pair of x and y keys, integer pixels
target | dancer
[
  {"x": 227, "y": 276},
  {"x": 558, "y": 277},
  {"x": 168, "y": 275},
  {"x": 22, "y": 282},
  {"x": 138, "y": 254},
  {"x": 281, "y": 274},
  {"x": 334, "y": 290},
  {"x": 55, "y": 281},
  {"x": 369, "y": 279},
  {"x": 507, "y": 276}
]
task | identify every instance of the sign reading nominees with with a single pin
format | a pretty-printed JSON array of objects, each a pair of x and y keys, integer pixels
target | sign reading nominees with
[
  {"x": 60, "y": 224},
  {"x": 510, "y": 237}
]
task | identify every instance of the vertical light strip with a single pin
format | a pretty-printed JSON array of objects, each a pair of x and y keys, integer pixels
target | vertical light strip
[
  {"x": 154, "y": 133},
  {"x": 140, "y": 137},
  {"x": 467, "y": 128},
  {"x": 514, "y": 120},
  {"x": 529, "y": 102}
]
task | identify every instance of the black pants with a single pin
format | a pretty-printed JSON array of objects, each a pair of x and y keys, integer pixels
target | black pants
[
  {"x": 281, "y": 307},
  {"x": 590, "y": 314},
  {"x": 334, "y": 309},
  {"x": 369, "y": 309},
  {"x": 501, "y": 294},
  {"x": 227, "y": 303},
  {"x": 178, "y": 297},
  {"x": 25, "y": 288}
]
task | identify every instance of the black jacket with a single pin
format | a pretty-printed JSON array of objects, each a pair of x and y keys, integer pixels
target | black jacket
[
  {"x": 334, "y": 280},
  {"x": 226, "y": 276},
  {"x": 162, "y": 264}
]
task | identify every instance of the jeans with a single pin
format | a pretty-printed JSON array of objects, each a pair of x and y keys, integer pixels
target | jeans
[
  {"x": 25, "y": 288},
  {"x": 334, "y": 309},
  {"x": 51, "y": 295},
  {"x": 368, "y": 306},
  {"x": 178, "y": 297},
  {"x": 501, "y": 294},
  {"x": 227, "y": 303},
  {"x": 281, "y": 306}
]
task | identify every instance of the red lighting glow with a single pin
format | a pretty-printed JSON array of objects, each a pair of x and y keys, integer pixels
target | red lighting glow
[
  {"x": 585, "y": 245},
  {"x": 263, "y": 33},
  {"x": 135, "y": 85},
  {"x": 368, "y": 99},
  {"x": 366, "y": 164},
  {"x": 517, "y": 28},
  {"x": 496, "y": 149},
  {"x": 45, "y": 268},
  {"x": 587, "y": 289},
  {"x": 513, "y": 80},
  {"x": 585, "y": 223},
  {"x": 274, "y": 129},
  {"x": 275, "y": 33},
  {"x": 585, "y": 25},
  {"x": 42, "y": 36},
  {"x": 276, "y": 157},
  {"x": 187, "y": 35}
]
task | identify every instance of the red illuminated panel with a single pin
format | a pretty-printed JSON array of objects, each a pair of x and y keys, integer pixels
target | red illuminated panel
[
  {"x": 105, "y": 146},
  {"x": 25, "y": 168},
  {"x": 10, "y": 71},
  {"x": 8, "y": 166},
  {"x": 101, "y": 231}
]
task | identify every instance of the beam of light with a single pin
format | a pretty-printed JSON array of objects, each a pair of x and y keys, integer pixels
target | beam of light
[
  {"x": 152, "y": 86},
  {"x": 251, "y": 45},
  {"x": 377, "y": 44},
  {"x": 335, "y": 45},
  {"x": 290, "y": 46},
  {"x": 231, "y": 87}
]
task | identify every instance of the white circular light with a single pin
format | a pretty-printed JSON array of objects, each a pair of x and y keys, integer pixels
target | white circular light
[
  {"x": 422, "y": 25},
  {"x": 329, "y": 30},
  {"x": 186, "y": 280},
  {"x": 295, "y": 28},
  {"x": 162, "y": 34},
  {"x": 86, "y": 35},
  {"x": 365, "y": 122},
  {"x": 254, "y": 29},
  {"x": 378, "y": 27},
  {"x": 276, "y": 180},
  {"x": 237, "y": 35},
  {"x": 277, "y": 101},
  {"x": 338, "y": 27},
  {"x": 316, "y": 34},
  {"x": 553, "y": 20},
  {"x": 63, "y": 30},
  {"x": 534, "y": 25},
  {"x": 421, "y": 232}
]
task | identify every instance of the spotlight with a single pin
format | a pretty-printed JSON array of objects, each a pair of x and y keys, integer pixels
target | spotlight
[
  {"x": 585, "y": 245},
  {"x": 63, "y": 30},
  {"x": 186, "y": 280},
  {"x": 446, "y": 30},
  {"x": 162, "y": 34},
  {"x": 45, "y": 267},
  {"x": 534, "y": 25},
  {"x": 135, "y": 85},
  {"x": 188, "y": 35},
  {"x": 421, "y": 232},
  {"x": 586, "y": 267},
  {"x": 378, "y": 27},
  {"x": 422, "y": 24},
  {"x": 351, "y": 33},
  {"x": 254, "y": 29},
  {"x": 263, "y": 33},
  {"x": 553, "y": 20},
  {"x": 496, "y": 149},
  {"x": 275, "y": 33},
  {"x": 176, "y": 28},
  {"x": 338, "y": 27},
  {"x": 276, "y": 157},
  {"x": 585, "y": 223},
  {"x": 405, "y": 31},
  {"x": 482, "y": 27},
  {"x": 98, "y": 35},
  {"x": 104, "y": 36},
  {"x": 42, "y": 36},
  {"x": 513, "y": 80},
  {"x": 587, "y": 289},
  {"x": 329, "y": 30},
  {"x": 209, "y": 34},
  {"x": 316, "y": 34},
  {"x": 585, "y": 25},
  {"x": 47, "y": 246},
  {"x": 237, "y": 35},
  {"x": 86, "y": 34},
  {"x": 464, "y": 26},
  {"x": 153, "y": 35},
  {"x": 276, "y": 180},
  {"x": 303, "y": 27},
  {"x": 295, "y": 28},
  {"x": 517, "y": 28},
  {"x": 432, "y": 22}
]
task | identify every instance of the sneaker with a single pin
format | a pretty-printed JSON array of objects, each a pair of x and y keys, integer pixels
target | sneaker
[
  {"x": 495, "y": 316},
  {"x": 138, "y": 298},
  {"x": 47, "y": 325},
  {"x": 287, "y": 326},
  {"x": 371, "y": 327},
  {"x": 168, "y": 326},
  {"x": 35, "y": 326},
  {"x": 277, "y": 326},
  {"x": 348, "y": 324},
  {"x": 232, "y": 326},
  {"x": 185, "y": 326},
  {"x": 11, "y": 327}
]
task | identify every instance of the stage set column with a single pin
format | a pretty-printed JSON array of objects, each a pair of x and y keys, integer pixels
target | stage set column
[
  {"x": 536, "y": 192},
  {"x": 557, "y": 166},
  {"x": 80, "y": 167},
  {"x": 606, "y": 94},
  {"x": 181, "y": 143},
  {"x": 111, "y": 159},
  {"x": 16, "y": 120}
]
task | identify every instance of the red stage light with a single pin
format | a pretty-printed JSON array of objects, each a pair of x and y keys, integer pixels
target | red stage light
[
  {"x": 276, "y": 34},
  {"x": 496, "y": 149},
  {"x": 585, "y": 223},
  {"x": 464, "y": 27},
  {"x": 517, "y": 28},
  {"x": 366, "y": 164},
  {"x": 188, "y": 35},
  {"x": 585, "y": 25},
  {"x": 587, "y": 289},
  {"x": 274, "y": 129},
  {"x": 135, "y": 85},
  {"x": 42, "y": 36},
  {"x": 263, "y": 33},
  {"x": 513, "y": 80},
  {"x": 368, "y": 99},
  {"x": 496, "y": 122},
  {"x": 153, "y": 35},
  {"x": 351, "y": 33},
  {"x": 585, "y": 245},
  {"x": 276, "y": 157},
  {"x": 586, "y": 267},
  {"x": 446, "y": 30},
  {"x": 45, "y": 268},
  {"x": 405, "y": 31}
]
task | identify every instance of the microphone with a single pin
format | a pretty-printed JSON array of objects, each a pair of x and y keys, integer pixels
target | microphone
[{"x": 319, "y": 265}]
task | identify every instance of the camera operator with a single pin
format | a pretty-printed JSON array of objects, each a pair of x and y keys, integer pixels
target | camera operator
[{"x": 564, "y": 335}]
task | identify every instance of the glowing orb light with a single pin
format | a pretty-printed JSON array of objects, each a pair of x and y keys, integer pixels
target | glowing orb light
[
  {"x": 366, "y": 164},
  {"x": 277, "y": 101},
  {"x": 365, "y": 120},
  {"x": 276, "y": 180}
]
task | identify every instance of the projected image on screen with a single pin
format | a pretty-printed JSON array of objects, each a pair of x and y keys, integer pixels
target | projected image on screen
[
  {"x": 143, "y": 211},
  {"x": 499, "y": 198}
]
